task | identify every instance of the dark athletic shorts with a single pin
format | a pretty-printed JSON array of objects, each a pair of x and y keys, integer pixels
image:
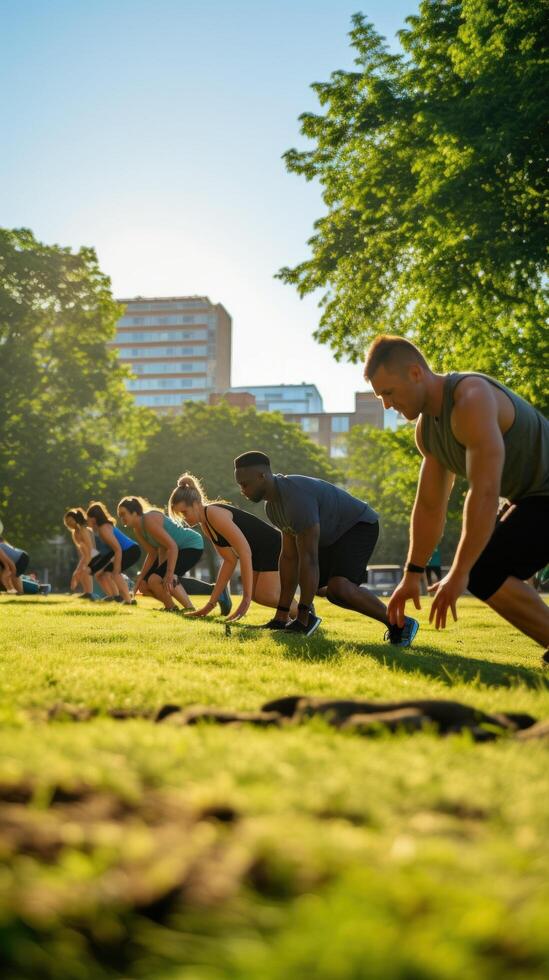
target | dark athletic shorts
[
  {"x": 519, "y": 547},
  {"x": 265, "y": 556},
  {"x": 349, "y": 555},
  {"x": 186, "y": 558},
  {"x": 22, "y": 564},
  {"x": 103, "y": 562}
]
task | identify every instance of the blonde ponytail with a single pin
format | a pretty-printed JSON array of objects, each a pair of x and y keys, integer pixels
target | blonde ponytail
[{"x": 188, "y": 491}]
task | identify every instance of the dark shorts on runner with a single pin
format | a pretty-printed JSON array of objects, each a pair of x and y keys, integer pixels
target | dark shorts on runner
[
  {"x": 519, "y": 547},
  {"x": 103, "y": 562},
  {"x": 22, "y": 563},
  {"x": 349, "y": 555},
  {"x": 186, "y": 559}
]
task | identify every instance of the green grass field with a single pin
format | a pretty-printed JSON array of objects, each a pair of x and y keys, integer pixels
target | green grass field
[{"x": 141, "y": 850}]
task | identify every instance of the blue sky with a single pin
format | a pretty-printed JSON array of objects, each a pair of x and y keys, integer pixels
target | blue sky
[{"x": 154, "y": 129}]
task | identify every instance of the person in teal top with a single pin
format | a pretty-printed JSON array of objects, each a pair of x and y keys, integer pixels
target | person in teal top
[
  {"x": 471, "y": 425},
  {"x": 172, "y": 550}
]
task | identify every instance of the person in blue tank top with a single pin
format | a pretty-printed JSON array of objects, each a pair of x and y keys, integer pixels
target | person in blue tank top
[
  {"x": 13, "y": 563},
  {"x": 171, "y": 548},
  {"x": 471, "y": 425},
  {"x": 117, "y": 553}
]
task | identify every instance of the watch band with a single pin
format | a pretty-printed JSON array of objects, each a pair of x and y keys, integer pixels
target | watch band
[{"x": 410, "y": 567}]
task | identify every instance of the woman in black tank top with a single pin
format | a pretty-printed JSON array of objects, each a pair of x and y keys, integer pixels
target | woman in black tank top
[{"x": 236, "y": 536}]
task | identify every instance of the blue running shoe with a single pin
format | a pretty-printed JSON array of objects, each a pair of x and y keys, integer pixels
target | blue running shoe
[
  {"x": 225, "y": 602},
  {"x": 295, "y": 626},
  {"x": 402, "y": 636}
]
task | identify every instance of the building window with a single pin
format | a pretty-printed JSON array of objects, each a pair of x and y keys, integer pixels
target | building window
[
  {"x": 150, "y": 336},
  {"x": 170, "y": 367},
  {"x": 340, "y": 423},
  {"x": 309, "y": 424}
]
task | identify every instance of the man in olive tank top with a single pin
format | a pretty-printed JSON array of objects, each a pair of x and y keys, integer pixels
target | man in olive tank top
[{"x": 474, "y": 426}]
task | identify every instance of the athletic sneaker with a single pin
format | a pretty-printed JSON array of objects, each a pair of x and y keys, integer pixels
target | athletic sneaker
[
  {"x": 225, "y": 602},
  {"x": 298, "y": 627},
  {"x": 275, "y": 624},
  {"x": 402, "y": 636}
]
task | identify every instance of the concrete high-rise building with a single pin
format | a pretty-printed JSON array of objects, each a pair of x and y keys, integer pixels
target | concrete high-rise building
[{"x": 179, "y": 348}]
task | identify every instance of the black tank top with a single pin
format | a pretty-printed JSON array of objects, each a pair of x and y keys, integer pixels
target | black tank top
[{"x": 256, "y": 531}]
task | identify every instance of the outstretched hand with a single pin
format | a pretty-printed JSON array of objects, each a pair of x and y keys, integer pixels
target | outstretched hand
[
  {"x": 446, "y": 594},
  {"x": 200, "y": 613},
  {"x": 408, "y": 588},
  {"x": 240, "y": 612}
]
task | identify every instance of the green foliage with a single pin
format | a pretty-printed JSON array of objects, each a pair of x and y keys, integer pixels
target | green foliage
[
  {"x": 204, "y": 440},
  {"x": 383, "y": 468},
  {"x": 67, "y": 423},
  {"x": 433, "y": 169},
  {"x": 400, "y": 857}
]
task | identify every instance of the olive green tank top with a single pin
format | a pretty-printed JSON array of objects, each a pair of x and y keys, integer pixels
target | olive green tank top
[{"x": 526, "y": 466}]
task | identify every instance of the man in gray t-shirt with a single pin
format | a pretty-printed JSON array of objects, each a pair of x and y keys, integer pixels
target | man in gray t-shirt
[{"x": 327, "y": 539}]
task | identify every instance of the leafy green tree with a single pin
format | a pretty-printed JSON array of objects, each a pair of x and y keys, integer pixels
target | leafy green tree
[
  {"x": 433, "y": 169},
  {"x": 383, "y": 468},
  {"x": 67, "y": 425},
  {"x": 204, "y": 440}
]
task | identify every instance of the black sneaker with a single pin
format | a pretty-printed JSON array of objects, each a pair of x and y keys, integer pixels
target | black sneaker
[
  {"x": 402, "y": 636},
  {"x": 275, "y": 624},
  {"x": 296, "y": 626}
]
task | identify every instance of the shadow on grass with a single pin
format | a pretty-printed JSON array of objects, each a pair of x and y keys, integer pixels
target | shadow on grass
[
  {"x": 450, "y": 668},
  {"x": 31, "y": 601},
  {"x": 454, "y": 668}
]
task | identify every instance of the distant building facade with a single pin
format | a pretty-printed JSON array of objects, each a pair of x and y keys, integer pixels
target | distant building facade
[
  {"x": 330, "y": 429},
  {"x": 179, "y": 348},
  {"x": 289, "y": 399},
  {"x": 303, "y": 404}
]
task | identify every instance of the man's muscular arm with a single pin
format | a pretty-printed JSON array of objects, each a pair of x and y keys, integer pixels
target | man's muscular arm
[
  {"x": 307, "y": 547},
  {"x": 426, "y": 527},
  {"x": 475, "y": 426},
  {"x": 288, "y": 564}
]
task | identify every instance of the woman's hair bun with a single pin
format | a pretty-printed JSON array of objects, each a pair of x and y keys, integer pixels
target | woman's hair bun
[{"x": 186, "y": 481}]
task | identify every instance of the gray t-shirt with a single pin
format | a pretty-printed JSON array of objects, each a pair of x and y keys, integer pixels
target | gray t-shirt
[{"x": 304, "y": 501}]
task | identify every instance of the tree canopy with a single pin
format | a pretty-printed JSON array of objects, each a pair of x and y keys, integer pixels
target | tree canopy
[
  {"x": 433, "y": 168},
  {"x": 205, "y": 439},
  {"x": 67, "y": 424}
]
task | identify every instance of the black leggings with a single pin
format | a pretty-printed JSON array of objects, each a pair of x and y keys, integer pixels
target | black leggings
[
  {"x": 104, "y": 562},
  {"x": 186, "y": 558}
]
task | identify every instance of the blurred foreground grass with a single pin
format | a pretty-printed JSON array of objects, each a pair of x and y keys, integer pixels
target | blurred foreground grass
[{"x": 131, "y": 849}]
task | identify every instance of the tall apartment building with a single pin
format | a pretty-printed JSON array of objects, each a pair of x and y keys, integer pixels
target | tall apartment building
[{"x": 178, "y": 346}]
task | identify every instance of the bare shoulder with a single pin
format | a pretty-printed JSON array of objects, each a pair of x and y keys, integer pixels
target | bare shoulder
[
  {"x": 472, "y": 391},
  {"x": 475, "y": 411},
  {"x": 153, "y": 517},
  {"x": 219, "y": 516}
]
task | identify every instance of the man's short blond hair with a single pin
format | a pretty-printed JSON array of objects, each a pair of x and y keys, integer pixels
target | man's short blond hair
[{"x": 391, "y": 353}]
